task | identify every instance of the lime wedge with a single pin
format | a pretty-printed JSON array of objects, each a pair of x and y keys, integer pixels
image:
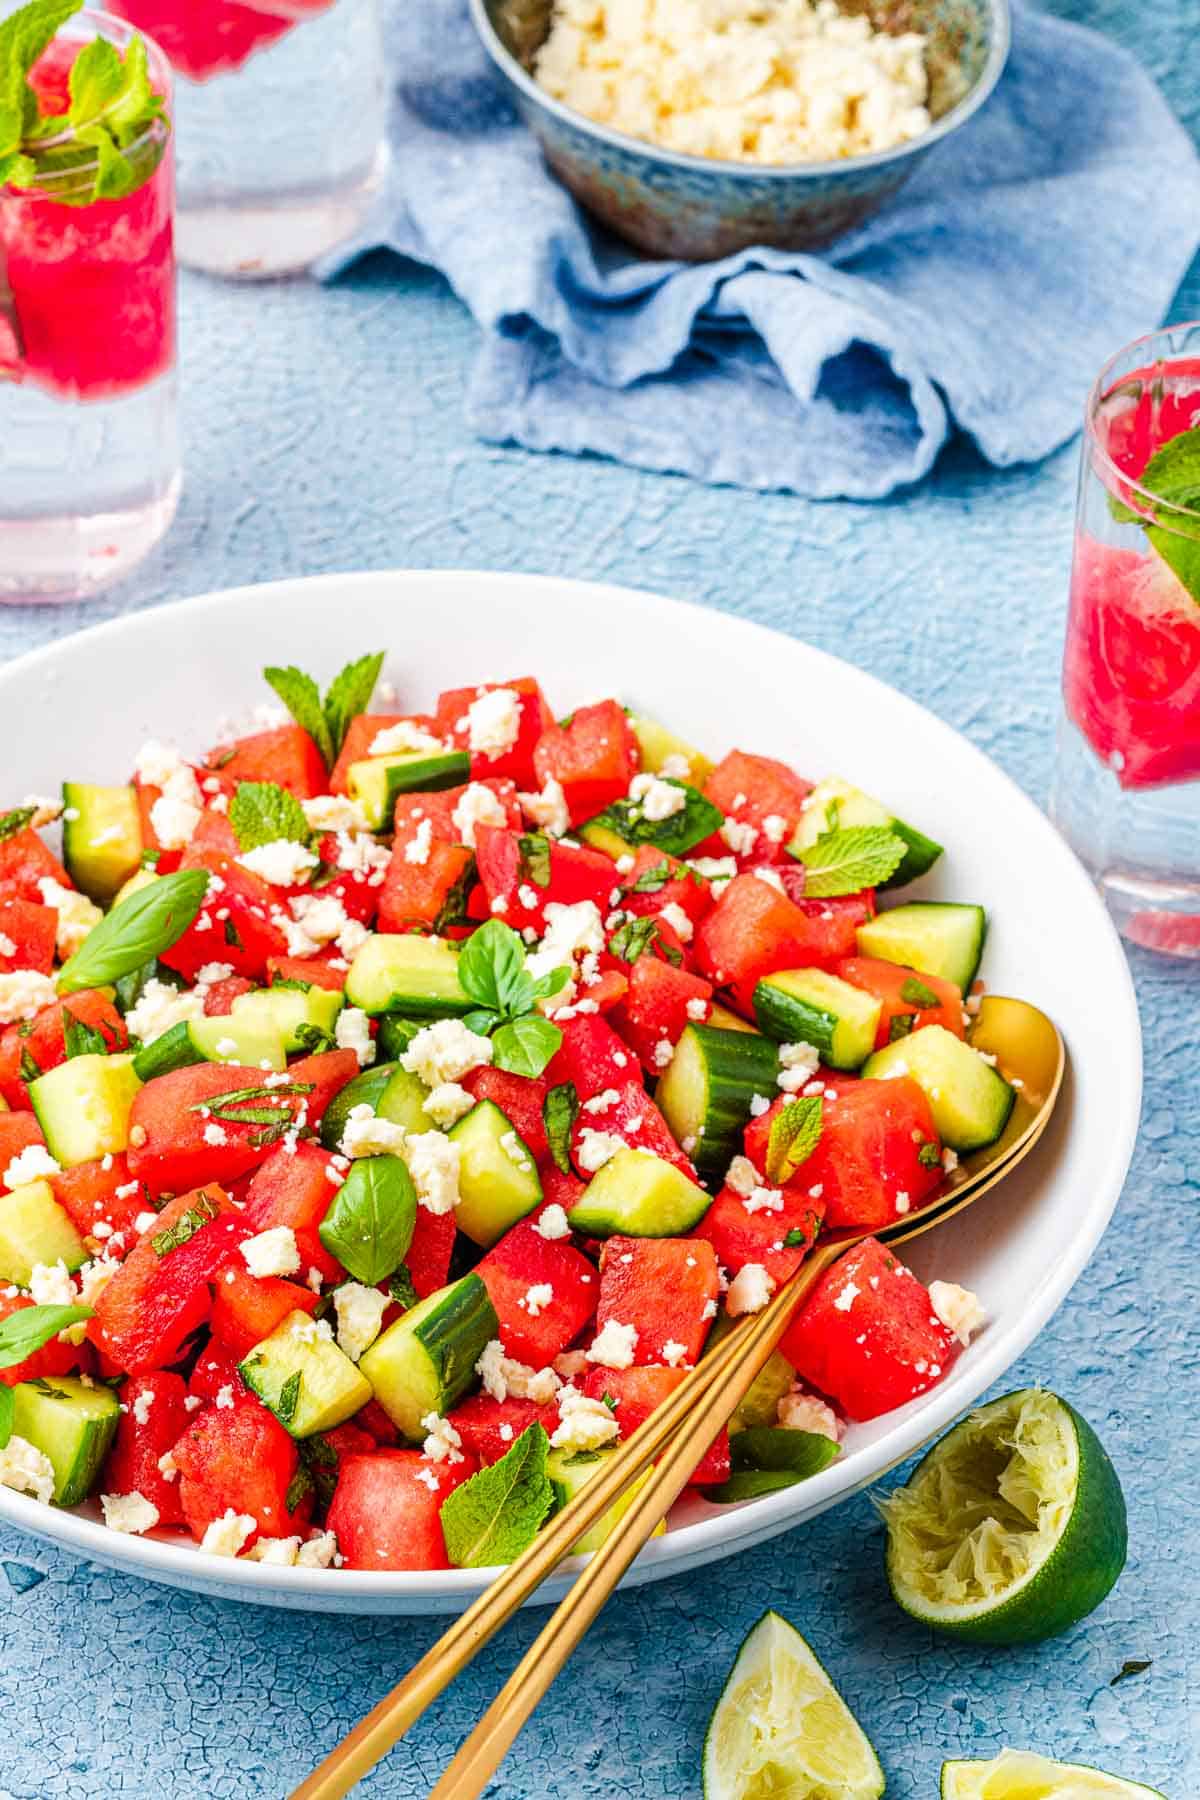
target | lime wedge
[
  {"x": 1013, "y": 1526},
  {"x": 781, "y": 1731},
  {"x": 1019, "y": 1775}
]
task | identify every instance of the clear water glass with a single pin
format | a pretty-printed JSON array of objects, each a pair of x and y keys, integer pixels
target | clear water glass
[
  {"x": 1127, "y": 780},
  {"x": 280, "y": 115},
  {"x": 89, "y": 450}
]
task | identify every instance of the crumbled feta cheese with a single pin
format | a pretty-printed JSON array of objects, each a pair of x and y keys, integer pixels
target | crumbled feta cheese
[
  {"x": 774, "y": 828},
  {"x": 225, "y": 1400},
  {"x": 353, "y": 1032},
  {"x": 764, "y": 1199},
  {"x": 740, "y": 837},
  {"x": 442, "y": 1441},
  {"x": 584, "y": 1423},
  {"x": 742, "y": 1176},
  {"x": 958, "y": 1308},
  {"x": 697, "y": 1009},
  {"x": 596, "y": 1148},
  {"x": 673, "y": 1353},
  {"x": 445, "y": 1051},
  {"x": 227, "y": 1535},
  {"x": 319, "y": 1551},
  {"x": 418, "y": 846},
  {"x": 216, "y": 1135},
  {"x": 334, "y": 812},
  {"x": 34, "y": 1163},
  {"x": 759, "y": 1104},
  {"x": 614, "y": 1345},
  {"x": 477, "y": 805},
  {"x": 570, "y": 931},
  {"x": 272, "y": 1252},
  {"x": 494, "y": 722},
  {"x": 949, "y": 1161},
  {"x": 23, "y": 993},
  {"x": 282, "y": 862},
  {"x": 657, "y": 799},
  {"x": 129, "y": 1512},
  {"x": 433, "y": 1162},
  {"x": 716, "y": 869},
  {"x": 503, "y": 1375},
  {"x": 771, "y": 877},
  {"x": 27, "y": 1470},
  {"x": 536, "y": 1299},
  {"x": 847, "y": 1296},
  {"x": 515, "y": 1151},
  {"x": 797, "y": 1063},
  {"x": 601, "y": 1102},
  {"x": 404, "y": 738},
  {"x": 428, "y": 1479},
  {"x": 548, "y": 808},
  {"x": 281, "y": 1551},
  {"x": 800, "y": 1411},
  {"x": 749, "y": 1290},
  {"x": 142, "y": 1405},
  {"x": 552, "y": 1223},
  {"x": 365, "y": 1135},
  {"x": 159, "y": 1007},
  {"x": 7, "y": 947},
  {"x": 360, "y": 1313},
  {"x": 76, "y": 915},
  {"x": 664, "y": 1051},
  {"x": 903, "y": 1203},
  {"x": 51, "y": 1285},
  {"x": 448, "y": 1103}
]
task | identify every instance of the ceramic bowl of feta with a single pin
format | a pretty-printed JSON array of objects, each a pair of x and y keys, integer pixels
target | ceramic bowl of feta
[{"x": 696, "y": 128}]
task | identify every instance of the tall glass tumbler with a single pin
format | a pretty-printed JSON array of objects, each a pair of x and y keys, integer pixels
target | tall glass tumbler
[
  {"x": 1127, "y": 781},
  {"x": 89, "y": 451},
  {"x": 280, "y": 111}
]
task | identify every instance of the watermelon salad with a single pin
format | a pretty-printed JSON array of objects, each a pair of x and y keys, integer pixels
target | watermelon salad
[{"x": 397, "y": 1104}]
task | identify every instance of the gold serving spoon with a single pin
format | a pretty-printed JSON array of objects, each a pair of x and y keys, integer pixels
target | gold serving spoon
[{"x": 1029, "y": 1053}]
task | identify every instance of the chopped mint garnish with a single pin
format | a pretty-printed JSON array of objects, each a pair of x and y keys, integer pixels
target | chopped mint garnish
[
  {"x": 794, "y": 1136},
  {"x": 14, "y": 821},
  {"x": 81, "y": 155},
  {"x": 560, "y": 1109},
  {"x": 495, "y": 1515}
]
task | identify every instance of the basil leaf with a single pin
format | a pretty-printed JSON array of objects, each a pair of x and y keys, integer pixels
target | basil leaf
[
  {"x": 144, "y": 925},
  {"x": 350, "y": 694},
  {"x": 534, "y": 848},
  {"x": 553, "y": 983},
  {"x": 80, "y": 1038},
  {"x": 652, "y": 880},
  {"x": 915, "y": 993},
  {"x": 481, "y": 1023},
  {"x": 697, "y": 819},
  {"x": 261, "y": 812},
  {"x": 14, "y": 821},
  {"x": 845, "y": 862},
  {"x": 780, "y": 1447},
  {"x": 795, "y": 1132},
  {"x": 525, "y": 1046},
  {"x": 560, "y": 1109},
  {"x": 633, "y": 939},
  {"x": 496, "y": 1514},
  {"x": 31, "y": 1327},
  {"x": 370, "y": 1224},
  {"x": 491, "y": 969}
]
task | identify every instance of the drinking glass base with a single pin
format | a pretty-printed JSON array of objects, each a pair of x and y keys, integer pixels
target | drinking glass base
[
  {"x": 48, "y": 559},
  {"x": 257, "y": 236}
]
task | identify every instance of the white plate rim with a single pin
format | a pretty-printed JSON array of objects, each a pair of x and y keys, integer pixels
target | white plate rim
[{"x": 728, "y": 1529}]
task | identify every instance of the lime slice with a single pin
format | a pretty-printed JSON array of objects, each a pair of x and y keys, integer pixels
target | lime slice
[
  {"x": 1019, "y": 1775},
  {"x": 1013, "y": 1526},
  {"x": 780, "y": 1730}
]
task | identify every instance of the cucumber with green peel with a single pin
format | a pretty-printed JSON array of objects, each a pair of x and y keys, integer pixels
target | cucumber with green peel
[
  {"x": 498, "y": 1181},
  {"x": 638, "y": 1195},
  {"x": 249, "y": 1042},
  {"x": 707, "y": 1089},
  {"x": 391, "y": 1093},
  {"x": 602, "y": 837},
  {"x": 659, "y": 746},
  {"x": 969, "y": 1100},
  {"x": 141, "y": 878},
  {"x": 377, "y": 781},
  {"x": 834, "y": 801},
  {"x": 425, "y": 1362},
  {"x": 395, "y": 1035},
  {"x": 722, "y": 1019},
  {"x": 626, "y": 822},
  {"x": 935, "y": 937},
  {"x": 130, "y": 988},
  {"x": 1021, "y": 1775},
  {"x": 101, "y": 837},
  {"x": 808, "y": 1006},
  {"x": 570, "y": 1470},
  {"x": 72, "y": 1425},
  {"x": 759, "y": 1405},
  {"x": 767, "y": 1458},
  {"x": 300, "y": 1373},
  {"x": 407, "y": 974},
  {"x": 35, "y": 1229},
  {"x": 83, "y": 1107},
  {"x": 303, "y": 1019},
  {"x": 1012, "y": 1528}
]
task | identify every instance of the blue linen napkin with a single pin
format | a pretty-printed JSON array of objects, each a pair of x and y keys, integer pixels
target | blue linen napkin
[{"x": 1053, "y": 227}]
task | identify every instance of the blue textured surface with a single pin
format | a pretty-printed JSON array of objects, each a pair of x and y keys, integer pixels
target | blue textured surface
[{"x": 325, "y": 430}]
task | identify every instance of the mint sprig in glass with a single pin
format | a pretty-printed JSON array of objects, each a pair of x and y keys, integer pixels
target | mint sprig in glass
[{"x": 87, "y": 300}]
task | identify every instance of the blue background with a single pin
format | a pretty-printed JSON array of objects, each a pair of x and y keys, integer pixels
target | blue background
[{"x": 324, "y": 432}]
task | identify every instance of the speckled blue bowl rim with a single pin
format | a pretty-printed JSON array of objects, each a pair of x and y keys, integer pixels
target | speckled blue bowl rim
[{"x": 999, "y": 46}]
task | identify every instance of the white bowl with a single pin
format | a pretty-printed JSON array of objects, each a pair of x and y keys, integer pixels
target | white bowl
[{"x": 722, "y": 682}]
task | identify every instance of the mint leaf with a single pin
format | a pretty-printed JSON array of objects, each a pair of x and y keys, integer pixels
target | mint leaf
[
  {"x": 80, "y": 1038},
  {"x": 845, "y": 862},
  {"x": 534, "y": 847},
  {"x": 260, "y": 812},
  {"x": 370, "y": 1224},
  {"x": 1172, "y": 475},
  {"x": 302, "y": 1483},
  {"x": 1181, "y": 553},
  {"x": 491, "y": 969},
  {"x": 14, "y": 821},
  {"x": 915, "y": 993},
  {"x": 697, "y": 820},
  {"x": 144, "y": 925},
  {"x": 802, "y": 1235},
  {"x": 525, "y": 1046},
  {"x": 350, "y": 694},
  {"x": 560, "y": 1109},
  {"x": 31, "y": 1327},
  {"x": 24, "y": 35},
  {"x": 652, "y": 880},
  {"x": 1134, "y": 1665},
  {"x": 795, "y": 1133},
  {"x": 302, "y": 697},
  {"x": 1172, "y": 517},
  {"x": 638, "y": 937},
  {"x": 495, "y": 1515}
]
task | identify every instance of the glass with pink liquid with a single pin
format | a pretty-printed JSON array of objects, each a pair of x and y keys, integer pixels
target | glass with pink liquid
[
  {"x": 280, "y": 113},
  {"x": 89, "y": 454},
  {"x": 1127, "y": 783}
]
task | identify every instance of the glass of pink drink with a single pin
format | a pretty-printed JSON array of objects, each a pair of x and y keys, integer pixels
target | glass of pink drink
[
  {"x": 89, "y": 455},
  {"x": 280, "y": 111},
  {"x": 1127, "y": 782}
]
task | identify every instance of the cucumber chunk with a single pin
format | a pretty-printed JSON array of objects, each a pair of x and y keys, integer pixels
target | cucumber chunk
[
  {"x": 937, "y": 937},
  {"x": 390, "y": 1092},
  {"x": 970, "y": 1102},
  {"x": 426, "y": 1360},
  {"x": 83, "y": 1107},
  {"x": 101, "y": 837},
  {"x": 376, "y": 781},
  {"x": 498, "y": 1180},
  {"x": 72, "y": 1425},
  {"x": 658, "y": 745},
  {"x": 306, "y": 1380},
  {"x": 682, "y": 831},
  {"x": 706, "y": 1092},
  {"x": 251, "y": 1043},
  {"x": 34, "y": 1229},
  {"x": 834, "y": 799},
  {"x": 570, "y": 1470},
  {"x": 759, "y": 1405},
  {"x": 304, "y": 1020},
  {"x": 808, "y": 1006},
  {"x": 637, "y": 1195},
  {"x": 395, "y": 1035},
  {"x": 414, "y": 975}
]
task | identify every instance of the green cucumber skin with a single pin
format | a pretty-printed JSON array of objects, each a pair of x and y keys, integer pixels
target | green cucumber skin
[
  {"x": 920, "y": 856},
  {"x": 739, "y": 1066},
  {"x": 365, "y": 1090},
  {"x": 793, "y": 1021},
  {"x": 173, "y": 1050},
  {"x": 429, "y": 776},
  {"x": 395, "y": 1035},
  {"x": 455, "y": 1336}
]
